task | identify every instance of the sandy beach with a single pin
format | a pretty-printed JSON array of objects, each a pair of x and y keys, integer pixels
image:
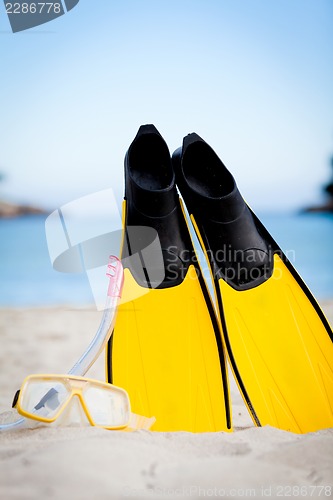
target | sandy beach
[{"x": 82, "y": 463}]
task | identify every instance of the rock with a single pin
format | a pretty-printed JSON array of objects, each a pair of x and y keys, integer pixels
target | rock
[
  {"x": 9, "y": 210},
  {"x": 326, "y": 208}
]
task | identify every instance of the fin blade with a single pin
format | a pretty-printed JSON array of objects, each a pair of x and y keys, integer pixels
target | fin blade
[
  {"x": 281, "y": 353},
  {"x": 164, "y": 354}
]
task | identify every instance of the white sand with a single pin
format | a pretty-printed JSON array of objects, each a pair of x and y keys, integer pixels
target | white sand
[{"x": 81, "y": 463}]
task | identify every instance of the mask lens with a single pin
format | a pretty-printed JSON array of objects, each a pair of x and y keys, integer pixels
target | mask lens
[
  {"x": 108, "y": 406},
  {"x": 43, "y": 398}
]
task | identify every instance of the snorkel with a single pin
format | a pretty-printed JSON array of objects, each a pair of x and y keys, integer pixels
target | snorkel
[{"x": 116, "y": 276}]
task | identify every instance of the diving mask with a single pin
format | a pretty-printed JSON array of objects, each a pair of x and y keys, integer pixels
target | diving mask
[{"x": 46, "y": 397}]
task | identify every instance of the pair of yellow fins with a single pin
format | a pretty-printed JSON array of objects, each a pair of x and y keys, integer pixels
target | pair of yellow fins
[{"x": 171, "y": 340}]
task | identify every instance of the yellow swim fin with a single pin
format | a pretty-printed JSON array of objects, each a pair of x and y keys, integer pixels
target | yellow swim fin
[
  {"x": 279, "y": 343},
  {"x": 166, "y": 348}
]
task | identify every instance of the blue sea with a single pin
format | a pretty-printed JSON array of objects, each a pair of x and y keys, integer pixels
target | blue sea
[{"x": 28, "y": 279}]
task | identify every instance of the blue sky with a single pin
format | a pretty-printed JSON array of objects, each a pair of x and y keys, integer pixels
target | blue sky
[{"x": 254, "y": 78}]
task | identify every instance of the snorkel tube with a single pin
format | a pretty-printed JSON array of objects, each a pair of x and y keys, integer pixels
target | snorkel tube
[{"x": 115, "y": 273}]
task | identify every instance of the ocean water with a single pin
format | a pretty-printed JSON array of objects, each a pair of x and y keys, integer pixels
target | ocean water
[
  {"x": 26, "y": 274},
  {"x": 28, "y": 279}
]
